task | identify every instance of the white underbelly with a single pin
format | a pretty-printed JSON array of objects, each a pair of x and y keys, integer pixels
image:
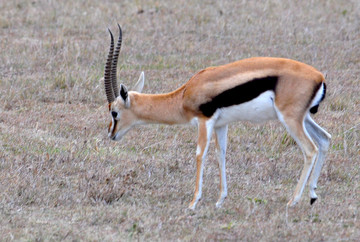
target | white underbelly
[{"x": 257, "y": 110}]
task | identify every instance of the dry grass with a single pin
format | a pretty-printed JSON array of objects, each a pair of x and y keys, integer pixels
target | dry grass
[{"x": 62, "y": 179}]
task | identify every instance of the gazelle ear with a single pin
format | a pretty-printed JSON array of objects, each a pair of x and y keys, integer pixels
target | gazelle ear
[
  {"x": 124, "y": 95},
  {"x": 140, "y": 83}
]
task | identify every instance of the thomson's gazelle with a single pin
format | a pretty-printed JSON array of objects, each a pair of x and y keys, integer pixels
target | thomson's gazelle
[{"x": 255, "y": 89}]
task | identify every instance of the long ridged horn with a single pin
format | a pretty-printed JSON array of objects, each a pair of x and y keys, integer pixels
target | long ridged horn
[
  {"x": 114, "y": 64},
  {"x": 107, "y": 75}
]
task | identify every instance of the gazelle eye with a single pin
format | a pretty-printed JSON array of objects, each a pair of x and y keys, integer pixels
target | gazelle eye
[{"x": 114, "y": 114}]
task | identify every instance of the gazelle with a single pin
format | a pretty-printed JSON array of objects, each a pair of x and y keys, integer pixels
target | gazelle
[{"x": 255, "y": 89}]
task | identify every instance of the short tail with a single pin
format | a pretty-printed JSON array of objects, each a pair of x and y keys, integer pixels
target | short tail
[{"x": 319, "y": 96}]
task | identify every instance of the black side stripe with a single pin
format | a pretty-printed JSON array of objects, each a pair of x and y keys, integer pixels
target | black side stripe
[{"x": 239, "y": 94}]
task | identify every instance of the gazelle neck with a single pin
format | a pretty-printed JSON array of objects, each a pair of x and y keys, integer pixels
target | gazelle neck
[{"x": 159, "y": 108}]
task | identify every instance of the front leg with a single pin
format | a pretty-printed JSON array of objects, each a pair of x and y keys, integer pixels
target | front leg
[
  {"x": 205, "y": 130},
  {"x": 221, "y": 136}
]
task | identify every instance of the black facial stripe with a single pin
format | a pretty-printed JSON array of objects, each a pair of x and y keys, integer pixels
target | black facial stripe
[
  {"x": 239, "y": 94},
  {"x": 114, "y": 127}
]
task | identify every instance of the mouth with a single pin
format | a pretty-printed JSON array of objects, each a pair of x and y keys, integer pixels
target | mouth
[
  {"x": 113, "y": 137},
  {"x": 118, "y": 135}
]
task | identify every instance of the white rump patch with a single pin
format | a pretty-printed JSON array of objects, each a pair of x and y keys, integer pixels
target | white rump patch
[{"x": 318, "y": 96}]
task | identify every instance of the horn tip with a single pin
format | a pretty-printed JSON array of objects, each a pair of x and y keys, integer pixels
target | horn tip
[{"x": 110, "y": 33}]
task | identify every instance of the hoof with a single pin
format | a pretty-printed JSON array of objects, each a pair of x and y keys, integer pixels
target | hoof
[
  {"x": 312, "y": 200},
  {"x": 291, "y": 203},
  {"x": 220, "y": 202},
  {"x": 193, "y": 203},
  {"x": 192, "y": 206}
]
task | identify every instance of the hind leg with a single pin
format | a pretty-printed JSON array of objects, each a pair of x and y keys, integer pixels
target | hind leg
[
  {"x": 295, "y": 126},
  {"x": 322, "y": 139}
]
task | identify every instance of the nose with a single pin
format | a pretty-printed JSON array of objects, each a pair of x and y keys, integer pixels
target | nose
[{"x": 114, "y": 114}]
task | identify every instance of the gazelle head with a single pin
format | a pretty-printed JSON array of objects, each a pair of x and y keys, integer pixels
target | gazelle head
[{"x": 120, "y": 108}]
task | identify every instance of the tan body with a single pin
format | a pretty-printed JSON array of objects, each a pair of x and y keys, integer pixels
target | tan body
[
  {"x": 214, "y": 80},
  {"x": 182, "y": 105},
  {"x": 292, "y": 88}
]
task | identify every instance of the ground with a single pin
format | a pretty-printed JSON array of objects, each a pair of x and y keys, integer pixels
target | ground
[{"x": 61, "y": 178}]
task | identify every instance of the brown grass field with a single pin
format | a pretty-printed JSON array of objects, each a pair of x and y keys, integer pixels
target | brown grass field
[{"x": 61, "y": 178}]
